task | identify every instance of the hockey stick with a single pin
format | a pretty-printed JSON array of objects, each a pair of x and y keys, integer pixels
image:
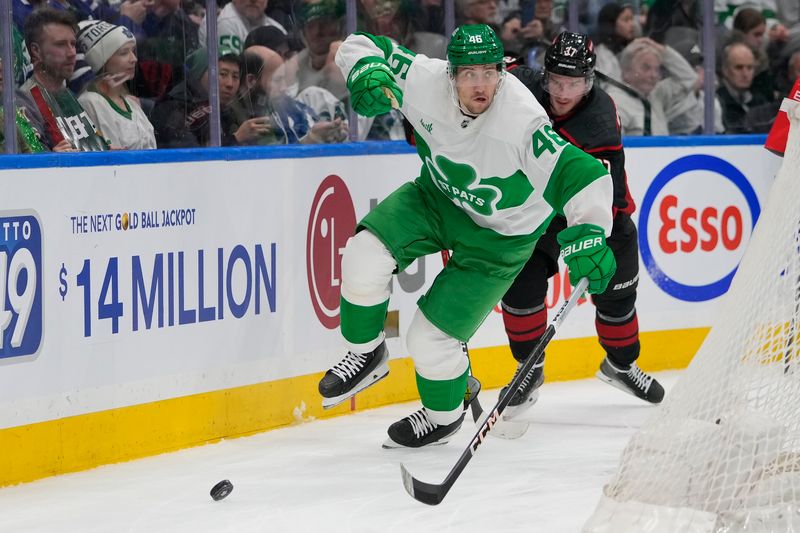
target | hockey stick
[
  {"x": 505, "y": 429},
  {"x": 434, "y": 493}
]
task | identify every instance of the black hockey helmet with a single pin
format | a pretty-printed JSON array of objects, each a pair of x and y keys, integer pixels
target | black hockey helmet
[{"x": 571, "y": 54}]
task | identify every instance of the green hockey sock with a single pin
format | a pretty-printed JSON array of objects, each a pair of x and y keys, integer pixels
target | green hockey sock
[
  {"x": 442, "y": 395},
  {"x": 361, "y": 324}
]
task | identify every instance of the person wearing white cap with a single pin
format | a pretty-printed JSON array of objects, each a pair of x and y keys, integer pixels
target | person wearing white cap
[{"x": 111, "y": 53}]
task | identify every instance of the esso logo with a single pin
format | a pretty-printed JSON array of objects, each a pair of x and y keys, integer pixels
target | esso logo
[
  {"x": 706, "y": 229},
  {"x": 695, "y": 221},
  {"x": 332, "y": 220}
]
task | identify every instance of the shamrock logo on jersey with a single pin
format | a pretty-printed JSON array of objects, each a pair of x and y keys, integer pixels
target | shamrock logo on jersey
[{"x": 484, "y": 196}]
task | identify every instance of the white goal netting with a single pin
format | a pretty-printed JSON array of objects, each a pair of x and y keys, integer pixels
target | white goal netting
[{"x": 722, "y": 453}]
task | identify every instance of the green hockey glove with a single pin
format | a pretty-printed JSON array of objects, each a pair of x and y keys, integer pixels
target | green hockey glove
[
  {"x": 586, "y": 254},
  {"x": 367, "y": 82}
]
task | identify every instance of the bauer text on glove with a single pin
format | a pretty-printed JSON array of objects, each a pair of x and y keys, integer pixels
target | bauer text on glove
[
  {"x": 366, "y": 83},
  {"x": 586, "y": 254}
]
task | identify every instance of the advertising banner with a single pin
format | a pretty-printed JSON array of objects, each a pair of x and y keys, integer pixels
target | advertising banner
[{"x": 128, "y": 284}]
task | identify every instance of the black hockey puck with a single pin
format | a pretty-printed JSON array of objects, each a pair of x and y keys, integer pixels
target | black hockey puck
[{"x": 221, "y": 490}]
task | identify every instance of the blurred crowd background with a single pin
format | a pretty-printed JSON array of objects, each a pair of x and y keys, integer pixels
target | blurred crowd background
[{"x": 139, "y": 74}]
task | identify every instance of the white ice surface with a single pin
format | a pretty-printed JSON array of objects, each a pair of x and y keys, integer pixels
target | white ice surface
[{"x": 331, "y": 476}]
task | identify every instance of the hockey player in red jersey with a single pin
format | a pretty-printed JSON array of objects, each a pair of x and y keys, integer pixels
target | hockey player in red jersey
[{"x": 586, "y": 116}]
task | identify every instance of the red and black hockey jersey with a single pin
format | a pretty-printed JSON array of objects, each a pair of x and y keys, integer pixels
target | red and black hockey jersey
[{"x": 593, "y": 127}]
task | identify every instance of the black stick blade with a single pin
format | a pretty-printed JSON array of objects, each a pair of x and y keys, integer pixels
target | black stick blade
[{"x": 421, "y": 491}]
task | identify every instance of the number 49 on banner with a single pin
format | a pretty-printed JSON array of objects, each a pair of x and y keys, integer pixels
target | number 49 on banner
[{"x": 20, "y": 284}]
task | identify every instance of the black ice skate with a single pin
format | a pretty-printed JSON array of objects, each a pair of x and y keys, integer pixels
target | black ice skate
[
  {"x": 418, "y": 430},
  {"x": 354, "y": 373},
  {"x": 631, "y": 380},
  {"x": 527, "y": 393}
]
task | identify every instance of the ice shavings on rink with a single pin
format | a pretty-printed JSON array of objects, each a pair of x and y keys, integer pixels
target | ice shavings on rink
[{"x": 332, "y": 476}]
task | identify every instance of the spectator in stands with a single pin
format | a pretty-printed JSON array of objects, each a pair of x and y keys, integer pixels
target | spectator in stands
[
  {"x": 506, "y": 8},
  {"x": 272, "y": 38},
  {"x": 751, "y": 28},
  {"x": 510, "y": 33},
  {"x": 289, "y": 121},
  {"x": 686, "y": 116},
  {"x": 615, "y": 29},
  {"x": 529, "y": 42},
  {"x": 54, "y": 112},
  {"x": 322, "y": 102},
  {"x": 22, "y": 65},
  {"x": 642, "y": 106},
  {"x": 544, "y": 25},
  {"x": 789, "y": 13},
  {"x": 394, "y": 19},
  {"x": 477, "y": 12},
  {"x": 27, "y": 139},
  {"x": 128, "y": 13},
  {"x": 781, "y": 13},
  {"x": 429, "y": 16},
  {"x": 182, "y": 120},
  {"x": 111, "y": 52},
  {"x": 236, "y": 20},
  {"x": 195, "y": 10},
  {"x": 321, "y": 29},
  {"x": 284, "y": 12},
  {"x": 666, "y": 14},
  {"x": 743, "y": 111},
  {"x": 80, "y": 10},
  {"x": 752, "y": 25},
  {"x": 170, "y": 36}
]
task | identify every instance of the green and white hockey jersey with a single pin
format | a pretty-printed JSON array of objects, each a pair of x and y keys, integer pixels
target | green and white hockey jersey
[{"x": 506, "y": 168}]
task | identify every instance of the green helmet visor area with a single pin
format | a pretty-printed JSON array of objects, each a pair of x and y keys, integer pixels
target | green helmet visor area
[{"x": 477, "y": 75}]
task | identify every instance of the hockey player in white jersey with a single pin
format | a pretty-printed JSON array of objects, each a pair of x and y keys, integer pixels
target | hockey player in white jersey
[{"x": 493, "y": 175}]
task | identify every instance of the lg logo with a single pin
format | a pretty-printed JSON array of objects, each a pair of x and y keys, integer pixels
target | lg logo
[{"x": 331, "y": 223}]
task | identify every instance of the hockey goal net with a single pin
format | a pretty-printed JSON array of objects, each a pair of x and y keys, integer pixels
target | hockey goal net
[{"x": 722, "y": 453}]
